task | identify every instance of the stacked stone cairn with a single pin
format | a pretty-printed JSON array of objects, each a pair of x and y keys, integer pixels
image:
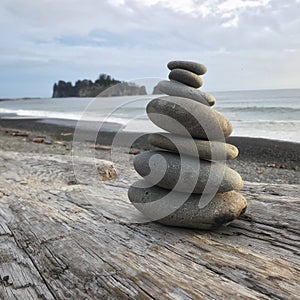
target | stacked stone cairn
[{"x": 186, "y": 182}]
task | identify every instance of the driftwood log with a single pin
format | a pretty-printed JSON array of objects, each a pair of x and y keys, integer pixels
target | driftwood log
[{"x": 63, "y": 237}]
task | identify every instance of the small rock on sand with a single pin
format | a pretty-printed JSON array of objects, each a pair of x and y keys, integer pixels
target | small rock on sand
[{"x": 38, "y": 139}]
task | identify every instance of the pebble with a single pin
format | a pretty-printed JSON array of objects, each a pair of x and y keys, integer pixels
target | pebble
[
  {"x": 194, "y": 67},
  {"x": 210, "y": 150},
  {"x": 185, "y": 173},
  {"x": 174, "y": 88},
  {"x": 199, "y": 120},
  {"x": 38, "y": 140},
  {"x": 186, "y": 77},
  {"x": 221, "y": 210}
]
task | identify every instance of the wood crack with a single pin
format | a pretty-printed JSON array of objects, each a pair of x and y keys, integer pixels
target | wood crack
[{"x": 33, "y": 263}]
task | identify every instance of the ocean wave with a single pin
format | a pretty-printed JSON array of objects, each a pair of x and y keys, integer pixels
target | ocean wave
[
  {"x": 261, "y": 109},
  {"x": 41, "y": 114},
  {"x": 95, "y": 117},
  {"x": 275, "y": 122}
]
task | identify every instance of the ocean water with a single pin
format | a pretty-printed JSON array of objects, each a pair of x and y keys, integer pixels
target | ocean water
[{"x": 273, "y": 114}]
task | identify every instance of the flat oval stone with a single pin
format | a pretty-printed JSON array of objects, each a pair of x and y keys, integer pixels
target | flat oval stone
[
  {"x": 221, "y": 210},
  {"x": 185, "y": 173},
  {"x": 196, "y": 119},
  {"x": 174, "y": 88},
  {"x": 192, "y": 66},
  {"x": 186, "y": 77},
  {"x": 210, "y": 150}
]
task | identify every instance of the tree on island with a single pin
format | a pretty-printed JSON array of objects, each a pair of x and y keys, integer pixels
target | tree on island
[
  {"x": 63, "y": 89},
  {"x": 88, "y": 88}
]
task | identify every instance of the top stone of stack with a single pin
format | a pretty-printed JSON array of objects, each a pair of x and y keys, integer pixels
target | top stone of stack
[{"x": 191, "y": 66}]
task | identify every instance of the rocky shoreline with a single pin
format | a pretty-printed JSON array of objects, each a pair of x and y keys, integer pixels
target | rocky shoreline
[{"x": 260, "y": 160}]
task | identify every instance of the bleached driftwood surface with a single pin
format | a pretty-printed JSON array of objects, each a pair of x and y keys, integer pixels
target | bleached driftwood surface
[{"x": 63, "y": 238}]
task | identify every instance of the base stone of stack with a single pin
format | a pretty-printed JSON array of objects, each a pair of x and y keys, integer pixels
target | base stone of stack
[{"x": 221, "y": 209}]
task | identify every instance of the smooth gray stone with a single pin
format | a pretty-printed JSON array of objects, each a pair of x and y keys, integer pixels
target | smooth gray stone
[
  {"x": 186, "y": 77},
  {"x": 192, "y": 66},
  {"x": 196, "y": 119},
  {"x": 174, "y": 88},
  {"x": 210, "y": 150},
  {"x": 164, "y": 169},
  {"x": 221, "y": 210}
]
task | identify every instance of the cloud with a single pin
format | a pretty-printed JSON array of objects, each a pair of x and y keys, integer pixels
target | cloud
[
  {"x": 232, "y": 5},
  {"x": 62, "y": 39}
]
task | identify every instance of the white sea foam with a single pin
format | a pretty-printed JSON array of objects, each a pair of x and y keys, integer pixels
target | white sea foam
[{"x": 39, "y": 114}]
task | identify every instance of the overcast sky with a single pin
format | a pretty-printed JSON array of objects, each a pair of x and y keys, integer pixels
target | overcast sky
[{"x": 252, "y": 44}]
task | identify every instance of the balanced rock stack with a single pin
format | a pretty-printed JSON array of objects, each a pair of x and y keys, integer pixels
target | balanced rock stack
[{"x": 186, "y": 182}]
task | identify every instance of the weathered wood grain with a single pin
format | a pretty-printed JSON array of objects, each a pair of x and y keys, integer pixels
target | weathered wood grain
[{"x": 63, "y": 237}]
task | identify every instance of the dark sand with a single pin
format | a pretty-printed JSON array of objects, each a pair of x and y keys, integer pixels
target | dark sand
[{"x": 260, "y": 160}]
